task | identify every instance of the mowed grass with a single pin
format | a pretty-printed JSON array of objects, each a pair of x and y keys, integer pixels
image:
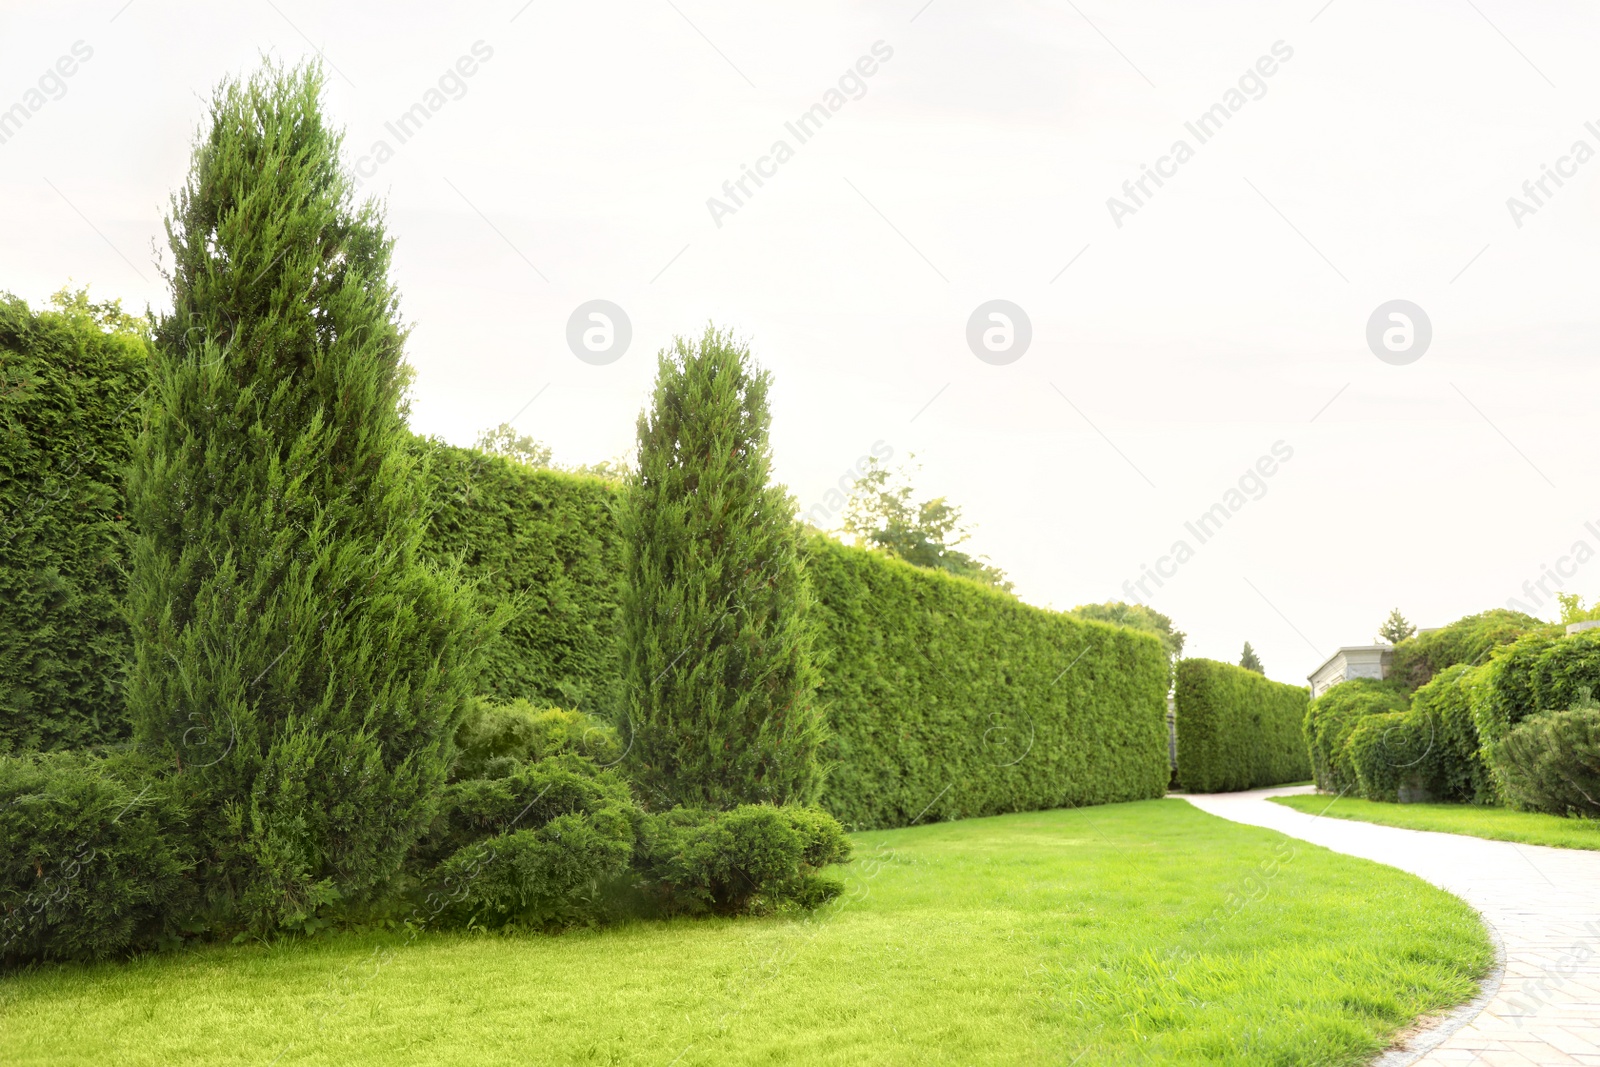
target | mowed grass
[
  {"x": 1145, "y": 933},
  {"x": 1497, "y": 824}
]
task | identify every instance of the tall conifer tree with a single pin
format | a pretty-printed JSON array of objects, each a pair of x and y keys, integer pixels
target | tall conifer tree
[
  {"x": 718, "y": 639},
  {"x": 295, "y": 658}
]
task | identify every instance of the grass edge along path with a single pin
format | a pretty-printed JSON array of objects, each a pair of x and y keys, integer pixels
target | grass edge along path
[
  {"x": 1130, "y": 934},
  {"x": 1471, "y": 820}
]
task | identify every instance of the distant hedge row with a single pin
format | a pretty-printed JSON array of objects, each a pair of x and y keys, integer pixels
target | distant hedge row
[
  {"x": 68, "y": 408},
  {"x": 1237, "y": 729}
]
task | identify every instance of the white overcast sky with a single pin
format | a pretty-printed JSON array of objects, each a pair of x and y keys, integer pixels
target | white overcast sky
[{"x": 1227, "y": 314}]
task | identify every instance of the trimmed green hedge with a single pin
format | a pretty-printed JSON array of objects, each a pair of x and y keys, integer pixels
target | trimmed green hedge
[
  {"x": 1445, "y": 707},
  {"x": 949, "y": 699},
  {"x": 1333, "y": 717},
  {"x": 68, "y": 404},
  {"x": 1468, "y": 640},
  {"x": 1539, "y": 672},
  {"x": 1237, "y": 729},
  {"x": 547, "y": 543}
]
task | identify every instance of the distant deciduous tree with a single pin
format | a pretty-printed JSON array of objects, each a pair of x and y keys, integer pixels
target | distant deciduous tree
[
  {"x": 503, "y": 440},
  {"x": 883, "y": 513},
  {"x": 1137, "y": 617}
]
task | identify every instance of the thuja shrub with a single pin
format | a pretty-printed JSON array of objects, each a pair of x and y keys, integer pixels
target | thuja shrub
[
  {"x": 1237, "y": 729},
  {"x": 1550, "y": 761},
  {"x": 504, "y": 735},
  {"x": 297, "y": 660},
  {"x": 95, "y": 857},
  {"x": 716, "y": 621},
  {"x": 533, "y": 843},
  {"x": 754, "y": 858},
  {"x": 70, "y": 385},
  {"x": 1331, "y": 719}
]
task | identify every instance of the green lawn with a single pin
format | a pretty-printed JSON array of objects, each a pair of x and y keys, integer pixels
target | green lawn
[
  {"x": 1497, "y": 824},
  {"x": 1144, "y": 933}
]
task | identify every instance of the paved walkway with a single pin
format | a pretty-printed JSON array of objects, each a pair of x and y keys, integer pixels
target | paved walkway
[{"x": 1544, "y": 903}]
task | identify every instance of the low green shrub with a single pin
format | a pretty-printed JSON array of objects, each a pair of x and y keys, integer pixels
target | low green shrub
[
  {"x": 534, "y": 836},
  {"x": 94, "y": 858},
  {"x": 1550, "y": 761},
  {"x": 754, "y": 858},
  {"x": 1333, "y": 716},
  {"x": 1237, "y": 729}
]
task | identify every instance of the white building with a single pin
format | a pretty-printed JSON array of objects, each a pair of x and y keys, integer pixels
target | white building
[{"x": 1352, "y": 661}]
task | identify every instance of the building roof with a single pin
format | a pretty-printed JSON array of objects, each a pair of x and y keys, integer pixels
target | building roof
[{"x": 1342, "y": 651}]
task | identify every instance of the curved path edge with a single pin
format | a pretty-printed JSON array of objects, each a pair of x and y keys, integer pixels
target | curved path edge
[{"x": 1540, "y": 1005}]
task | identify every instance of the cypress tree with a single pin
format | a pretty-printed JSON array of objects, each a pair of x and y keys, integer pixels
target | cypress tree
[
  {"x": 295, "y": 659},
  {"x": 717, "y": 633}
]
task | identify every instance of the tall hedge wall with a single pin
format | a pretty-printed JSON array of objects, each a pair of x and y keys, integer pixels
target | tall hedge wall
[
  {"x": 948, "y": 699},
  {"x": 1238, "y": 729},
  {"x": 945, "y": 698},
  {"x": 546, "y": 542},
  {"x": 68, "y": 405}
]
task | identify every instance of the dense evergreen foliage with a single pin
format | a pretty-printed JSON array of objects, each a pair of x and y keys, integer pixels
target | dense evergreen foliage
[
  {"x": 1550, "y": 761},
  {"x": 295, "y": 658},
  {"x": 1538, "y": 672},
  {"x": 544, "y": 544},
  {"x": 95, "y": 857},
  {"x": 1237, "y": 729},
  {"x": 1470, "y": 640},
  {"x": 949, "y": 699},
  {"x": 1444, "y": 706},
  {"x": 717, "y": 634},
  {"x": 70, "y": 385},
  {"x": 1331, "y": 719}
]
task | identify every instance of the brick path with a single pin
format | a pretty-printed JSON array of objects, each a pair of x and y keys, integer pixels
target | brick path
[{"x": 1544, "y": 903}]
